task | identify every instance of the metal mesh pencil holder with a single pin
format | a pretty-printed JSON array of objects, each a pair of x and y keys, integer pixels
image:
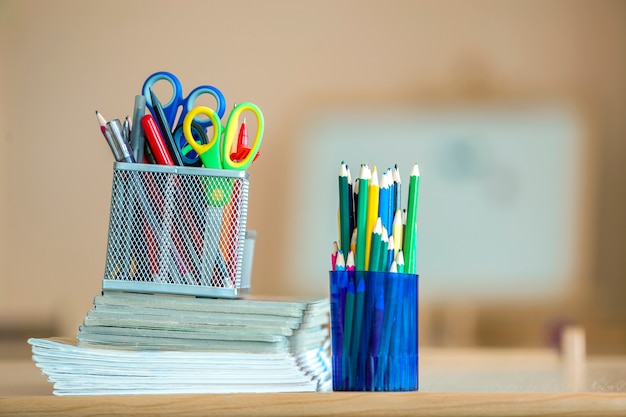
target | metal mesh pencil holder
[{"x": 177, "y": 230}]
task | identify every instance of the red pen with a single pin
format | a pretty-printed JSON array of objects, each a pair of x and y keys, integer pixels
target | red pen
[
  {"x": 155, "y": 140},
  {"x": 242, "y": 140},
  {"x": 242, "y": 150}
]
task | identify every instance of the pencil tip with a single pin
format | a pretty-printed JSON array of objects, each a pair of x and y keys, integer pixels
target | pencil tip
[{"x": 416, "y": 171}]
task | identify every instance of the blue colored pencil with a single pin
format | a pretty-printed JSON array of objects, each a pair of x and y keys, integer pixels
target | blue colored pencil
[
  {"x": 397, "y": 182},
  {"x": 392, "y": 198},
  {"x": 390, "y": 253},
  {"x": 355, "y": 343},
  {"x": 383, "y": 201},
  {"x": 348, "y": 329},
  {"x": 374, "y": 346},
  {"x": 388, "y": 330},
  {"x": 384, "y": 251}
]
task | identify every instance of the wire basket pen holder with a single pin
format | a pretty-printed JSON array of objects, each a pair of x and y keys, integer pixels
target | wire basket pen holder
[{"x": 178, "y": 230}]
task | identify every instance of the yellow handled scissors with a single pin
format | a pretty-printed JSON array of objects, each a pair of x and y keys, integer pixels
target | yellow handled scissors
[{"x": 216, "y": 153}]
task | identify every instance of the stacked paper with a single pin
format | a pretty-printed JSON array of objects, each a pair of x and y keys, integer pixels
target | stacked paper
[{"x": 149, "y": 344}]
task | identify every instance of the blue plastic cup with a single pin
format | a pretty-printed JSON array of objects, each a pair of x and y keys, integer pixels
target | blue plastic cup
[{"x": 374, "y": 331}]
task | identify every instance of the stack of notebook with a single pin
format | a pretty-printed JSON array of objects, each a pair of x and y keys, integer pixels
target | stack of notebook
[{"x": 152, "y": 344}]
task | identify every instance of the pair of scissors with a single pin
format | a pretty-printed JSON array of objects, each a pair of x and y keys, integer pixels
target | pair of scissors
[
  {"x": 216, "y": 153},
  {"x": 170, "y": 110}
]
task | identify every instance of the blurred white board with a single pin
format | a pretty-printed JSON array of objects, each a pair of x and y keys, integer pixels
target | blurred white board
[{"x": 500, "y": 192}]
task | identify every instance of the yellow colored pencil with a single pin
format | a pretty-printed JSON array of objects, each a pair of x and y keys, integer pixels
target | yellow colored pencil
[{"x": 372, "y": 214}]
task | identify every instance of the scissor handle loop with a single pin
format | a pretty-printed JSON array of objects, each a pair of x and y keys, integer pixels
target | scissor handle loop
[
  {"x": 209, "y": 152},
  {"x": 171, "y": 107},
  {"x": 188, "y": 155},
  {"x": 231, "y": 132},
  {"x": 190, "y": 103}
]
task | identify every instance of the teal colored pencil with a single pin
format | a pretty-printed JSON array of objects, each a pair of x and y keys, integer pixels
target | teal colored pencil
[
  {"x": 350, "y": 201},
  {"x": 344, "y": 210},
  {"x": 357, "y": 328},
  {"x": 348, "y": 318},
  {"x": 361, "y": 234},
  {"x": 411, "y": 221},
  {"x": 375, "y": 248},
  {"x": 400, "y": 262}
]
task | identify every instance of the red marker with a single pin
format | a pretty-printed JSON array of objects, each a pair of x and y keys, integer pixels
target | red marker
[{"x": 155, "y": 140}]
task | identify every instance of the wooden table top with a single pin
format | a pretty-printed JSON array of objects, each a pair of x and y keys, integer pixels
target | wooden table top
[{"x": 453, "y": 382}]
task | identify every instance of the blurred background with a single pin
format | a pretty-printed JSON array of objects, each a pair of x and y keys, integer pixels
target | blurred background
[{"x": 514, "y": 111}]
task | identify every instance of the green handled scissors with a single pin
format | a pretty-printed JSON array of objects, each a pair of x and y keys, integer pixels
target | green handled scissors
[{"x": 216, "y": 153}]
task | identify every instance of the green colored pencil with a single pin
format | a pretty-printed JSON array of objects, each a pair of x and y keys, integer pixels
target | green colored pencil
[
  {"x": 361, "y": 233},
  {"x": 411, "y": 222}
]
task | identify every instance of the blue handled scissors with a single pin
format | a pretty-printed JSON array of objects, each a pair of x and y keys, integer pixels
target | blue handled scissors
[{"x": 170, "y": 109}]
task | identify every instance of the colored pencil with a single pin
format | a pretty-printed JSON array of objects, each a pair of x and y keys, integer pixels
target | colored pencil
[
  {"x": 411, "y": 221},
  {"x": 372, "y": 213},
  {"x": 333, "y": 255},
  {"x": 361, "y": 240},
  {"x": 392, "y": 199},
  {"x": 340, "y": 265},
  {"x": 391, "y": 252},
  {"x": 344, "y": 210},
  {"x": 348, "y": 318},
  {"x": 350, "y": 200},
  {"x": 397, "y": 232},
  {"x": 397, "y": 185},
  {"x": 376, "y": 243},
  {"x": 357, "y": 328},
  {"x": 400, "y": 262},
  {"x": 350, "y": 261},
  {"x": 384, "y": 251},
  {"x": 383, "y": 201}
]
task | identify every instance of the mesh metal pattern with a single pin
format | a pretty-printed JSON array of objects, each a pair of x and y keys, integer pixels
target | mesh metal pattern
[{"x": 178, "y": 230}]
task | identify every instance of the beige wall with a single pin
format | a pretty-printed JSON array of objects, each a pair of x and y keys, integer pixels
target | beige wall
[{"x": 61, "y": 60}]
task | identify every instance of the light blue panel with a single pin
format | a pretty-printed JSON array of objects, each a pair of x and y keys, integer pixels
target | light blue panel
[{"x": 498, "y": 213}]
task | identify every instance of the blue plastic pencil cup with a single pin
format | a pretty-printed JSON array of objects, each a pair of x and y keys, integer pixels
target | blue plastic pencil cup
[{"x": 374, "y": 331}]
